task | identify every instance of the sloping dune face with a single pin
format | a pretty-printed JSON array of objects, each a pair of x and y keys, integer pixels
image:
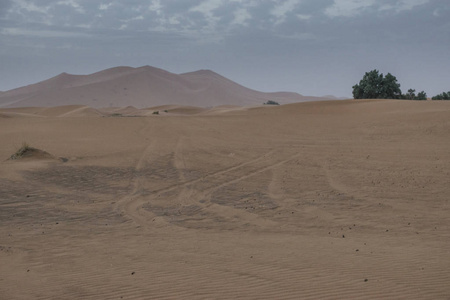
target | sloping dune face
[
  {"x": 317, "y": 200},
  {"x": 141, "y": 87}
]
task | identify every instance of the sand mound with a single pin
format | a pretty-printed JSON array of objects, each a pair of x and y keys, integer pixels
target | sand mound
[
  {"x": 226, "y": 109},
  {"x": 187, "y": 110},
  {"x": 82, "y": 111},
  {"x": 30, "y": 153},
  {"x": 22, "y": 111}
]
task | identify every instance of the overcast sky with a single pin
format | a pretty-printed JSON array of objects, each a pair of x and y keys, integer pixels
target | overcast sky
[{"x": 313, "y": 47}]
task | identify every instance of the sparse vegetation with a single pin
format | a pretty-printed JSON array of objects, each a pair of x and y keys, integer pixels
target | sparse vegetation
[
  {"x": 156, "y": 112},
  {"x": 271, "y": 102},
  {"x": 443, "y": 96},
  {"x": 22, "y": 151},
  {"x": 116, "y": 115},
  {"x": 27, "y": 151},
  {"x": 421, "y": 96},
  {"x": 411, "y": 95}
]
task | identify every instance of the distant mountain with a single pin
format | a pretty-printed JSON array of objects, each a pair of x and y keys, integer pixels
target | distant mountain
[{"x": 142, "y": 87}]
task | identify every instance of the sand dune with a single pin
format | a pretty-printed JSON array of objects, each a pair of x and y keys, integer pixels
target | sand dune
[
  {"x": 58, "y": 111},
  {"x": 315, "y": 200},
  {"x": 141, "y": 87}
]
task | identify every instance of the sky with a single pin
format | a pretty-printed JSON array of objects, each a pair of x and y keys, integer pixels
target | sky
[{"x": 313, "y": 47}]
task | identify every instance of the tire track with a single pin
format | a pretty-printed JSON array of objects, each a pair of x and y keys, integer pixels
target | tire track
[
  {"x": 129, "y": 204},
  {"x": 193, "y": 193},
  {"x": 132, "y": 203}
]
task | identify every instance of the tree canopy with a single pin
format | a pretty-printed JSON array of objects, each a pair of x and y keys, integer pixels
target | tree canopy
[
  {"x": 443, "y": 96},
  {"x": 376, "y": 86}
]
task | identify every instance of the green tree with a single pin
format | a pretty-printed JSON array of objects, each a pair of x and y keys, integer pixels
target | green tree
[
  {"x": 391, "y": 88},
  {"x": 421, "y": 96},
  {"x": 375, "y": 86},
  {"x": 443, "y": 96},
  {"x": 411, "y": 94}
]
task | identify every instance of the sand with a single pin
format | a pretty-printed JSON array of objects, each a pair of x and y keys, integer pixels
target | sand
[
  {"x": 317, "y": 200},
  {"x": 142, "y": 87}
]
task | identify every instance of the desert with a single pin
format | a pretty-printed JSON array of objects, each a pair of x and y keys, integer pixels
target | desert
[
  {"x": 224, "y": 149},
  {"x": 315, "y": 200}
]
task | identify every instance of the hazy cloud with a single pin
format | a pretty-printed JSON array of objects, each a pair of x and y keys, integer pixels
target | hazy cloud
[
  {"x": 241, "y": 16},
  {"x": 348, "y": 8},
  {"x": 105, "y": 6},
  {"x": 4, "y": 6},
  {"x": 207, "y": 10},
  {"x": 43, "y": 33},
  {"x": 73, "y": 4},
  {"x": 282, "y": 8}
]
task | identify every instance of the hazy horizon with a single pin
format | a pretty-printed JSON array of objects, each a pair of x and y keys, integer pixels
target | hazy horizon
[{"x": 300, "y": 46}]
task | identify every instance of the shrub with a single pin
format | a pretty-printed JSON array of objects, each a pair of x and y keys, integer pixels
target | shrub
[
  {"x": 22, "y": 151},
  {"x": 271, "y": 102}
]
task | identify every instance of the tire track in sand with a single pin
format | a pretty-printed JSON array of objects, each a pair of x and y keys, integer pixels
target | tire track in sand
[
  {"x": 131, "y": 204},
  {"x": 128, "y": 205}
]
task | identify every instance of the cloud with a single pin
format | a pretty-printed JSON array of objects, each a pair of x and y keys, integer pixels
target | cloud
[
  {"x": 351, "y": 8},
  {"x": 241, "y": 16},
  {"x": 348, "y": 8},
  {"x": 73, "y": 4},
  {"x": 207, "y": 10},
  {"x": 212, "y": 20},
  {"x": 29, "y": 12},
  {"x": 27, "y": 6},
  {"x": 303, "y": 17},
  {"x": 282, "y": 9},
  {"x": 4, "y": 6},
  {"x": 104, "y": 6},
  {"x": 300, "y": 36},
  {"x": 156, "y": 7},
  {"x": 42, "y": 33},
  {"x": 410, "y": 4}
]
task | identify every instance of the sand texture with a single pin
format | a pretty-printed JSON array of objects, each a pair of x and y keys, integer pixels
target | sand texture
[{"x": 315, "y": 200}]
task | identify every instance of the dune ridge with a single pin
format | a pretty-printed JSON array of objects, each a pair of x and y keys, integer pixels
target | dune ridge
[{"x": 141, "y": 87}]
